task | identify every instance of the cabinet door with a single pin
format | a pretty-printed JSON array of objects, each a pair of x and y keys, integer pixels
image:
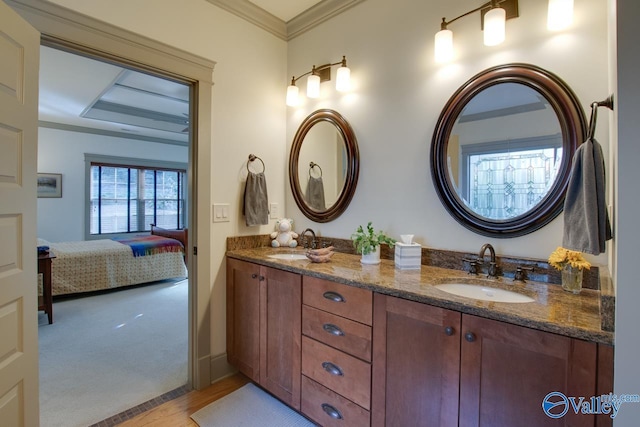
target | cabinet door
[
  {"x": 280, "y": 322},
  {"x": 416, "y": 363},
  {"x": 507, "y": 370},
  {"x": 243, "y": 317}
]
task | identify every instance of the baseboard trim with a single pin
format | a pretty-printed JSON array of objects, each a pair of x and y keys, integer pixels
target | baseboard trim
[{"x": 220, "y": 368}]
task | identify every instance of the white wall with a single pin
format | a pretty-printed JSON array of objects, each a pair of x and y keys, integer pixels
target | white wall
[
  {"x": 627, "y": 367},
  {"x": 248, "y": 107},
  {"x": 399, "y": 92},
  {"x": 61, "y": 151}
]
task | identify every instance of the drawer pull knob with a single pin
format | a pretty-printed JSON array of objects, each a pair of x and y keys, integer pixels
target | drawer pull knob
[
  {"x": 331, "y": 411},
  {"x": 333, "y": 296},
  {"x": 333, "y": 329},
  {"x": 254, "y": 276},
  {"x": 470, "y": 336},
  {"x": 449, "y": 331},
  {"x": 332, "y": 369}
]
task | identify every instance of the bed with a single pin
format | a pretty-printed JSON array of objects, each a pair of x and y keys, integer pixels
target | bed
[{"x": 87, "y": 266}]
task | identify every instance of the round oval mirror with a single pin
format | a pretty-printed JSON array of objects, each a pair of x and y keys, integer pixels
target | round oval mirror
[
  {"x": 323, "y": 165},
  {"x": 502, "y": 149}
]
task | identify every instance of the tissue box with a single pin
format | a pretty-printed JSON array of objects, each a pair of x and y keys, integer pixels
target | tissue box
[{"x": 408, "y": 256}]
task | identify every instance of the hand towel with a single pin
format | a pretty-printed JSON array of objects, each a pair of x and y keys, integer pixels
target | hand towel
[
  {"x": 586, "y": 220},
  {"x": 315, "y": 193},
  {"x": 256, "y": 203}
]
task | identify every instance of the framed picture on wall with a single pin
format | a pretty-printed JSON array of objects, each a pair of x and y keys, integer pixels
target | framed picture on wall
[{"x": 49, "y": 185}]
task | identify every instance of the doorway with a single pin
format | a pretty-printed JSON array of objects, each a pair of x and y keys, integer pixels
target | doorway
[
  {"x": 124, "y": 340},
  {"x": 66, "y": 28}
]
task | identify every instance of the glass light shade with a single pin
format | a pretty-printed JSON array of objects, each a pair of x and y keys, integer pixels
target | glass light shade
[
  {"x": 443, "y": 46},
  {"x": 343, "y": 79},
  {"x": 559, "y": 14},
  {"x": 494, "y": 23},
  {"x": 292, "y": 95},
  {"x": 313, "y": 86}
]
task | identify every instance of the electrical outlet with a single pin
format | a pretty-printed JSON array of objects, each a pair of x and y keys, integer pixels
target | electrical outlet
[
  {"x": 221, "y": 212},
  {"x": 274, "y": 211}
]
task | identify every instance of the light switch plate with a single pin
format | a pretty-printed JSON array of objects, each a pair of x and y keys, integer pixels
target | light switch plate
[
  {"x": 274, "y": 211},
  {"x": 221, "y": 212}
]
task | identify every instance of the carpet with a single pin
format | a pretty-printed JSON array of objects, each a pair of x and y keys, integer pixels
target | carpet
[
  {"x": 249, "y": 406},
  {"x": 110, "y": 352}
]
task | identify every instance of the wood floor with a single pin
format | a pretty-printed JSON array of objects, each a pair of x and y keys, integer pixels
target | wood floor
[{"x": 176, "y": 412}]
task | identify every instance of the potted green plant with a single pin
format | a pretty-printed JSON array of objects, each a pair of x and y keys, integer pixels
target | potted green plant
[{"x": 367, "y": 243}]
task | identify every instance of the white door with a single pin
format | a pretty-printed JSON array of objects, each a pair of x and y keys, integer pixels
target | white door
[{"x": 19, "y": 64}]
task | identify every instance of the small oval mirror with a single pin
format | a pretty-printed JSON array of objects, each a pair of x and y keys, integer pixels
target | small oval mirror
[
  {"x": 501, "y": 153},
  {"x": 323, "y": 165}
]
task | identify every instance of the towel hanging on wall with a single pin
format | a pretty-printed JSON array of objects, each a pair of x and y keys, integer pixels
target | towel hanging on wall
[
  {"x": 256, "y": 202},
  {"x": 315, "y": 189},
  {"x": 586, "y": 220}
]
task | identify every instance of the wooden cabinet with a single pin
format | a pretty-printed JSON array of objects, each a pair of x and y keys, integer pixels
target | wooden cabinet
[
  {"x": 344, "y": 356},
  {"x": 264, "y": 327},
  {"x": 336, "y": 353},
  {"x": 416, "y": 364},
  {"x": 507, "y": 370},
  {"x": 425, "y": 357}
]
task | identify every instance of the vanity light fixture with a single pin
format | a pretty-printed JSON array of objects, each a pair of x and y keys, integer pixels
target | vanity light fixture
[
  {"x": 559, "y": 14},
  {"x": 494, "y": 13},
  {"x": 318, "y": 75}
]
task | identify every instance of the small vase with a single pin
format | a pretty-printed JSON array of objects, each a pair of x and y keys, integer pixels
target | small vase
[
  {"x": 572, "y": 279},
  {"x": 372, "y": 257}
]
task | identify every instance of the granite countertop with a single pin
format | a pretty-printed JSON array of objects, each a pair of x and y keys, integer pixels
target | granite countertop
[{"x": 554, "y": 310}]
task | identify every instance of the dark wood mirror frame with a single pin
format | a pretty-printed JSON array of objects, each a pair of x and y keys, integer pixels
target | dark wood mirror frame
[
  {"x": 573, "y": 128},
  {"x": 353, "y": 165}
]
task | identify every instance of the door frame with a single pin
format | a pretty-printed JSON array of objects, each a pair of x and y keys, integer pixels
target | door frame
[{"x": 68, "y": 30}]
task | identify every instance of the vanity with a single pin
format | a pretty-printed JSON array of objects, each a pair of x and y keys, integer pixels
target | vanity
[
  {"x": 352, "y": 345},
  {"x": 348, "y": 344}
]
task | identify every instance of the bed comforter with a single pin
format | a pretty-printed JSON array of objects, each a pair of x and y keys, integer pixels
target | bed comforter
[{"x": 87, "y": 266}]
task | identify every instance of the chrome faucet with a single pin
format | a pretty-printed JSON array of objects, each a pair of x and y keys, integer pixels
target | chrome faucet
[
  {"x": 492, "y": 270},
  {"x": 303, "y": 237}
]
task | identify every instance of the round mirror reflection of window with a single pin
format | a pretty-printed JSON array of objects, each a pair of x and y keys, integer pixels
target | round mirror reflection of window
[{"x": 502, "y": 149}]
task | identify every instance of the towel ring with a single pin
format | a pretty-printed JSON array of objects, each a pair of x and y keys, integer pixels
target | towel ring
[
  {"x": 594, "y": 114},
  {"x": 253, "y": 157},
  {"x": 313, "y": 165}
]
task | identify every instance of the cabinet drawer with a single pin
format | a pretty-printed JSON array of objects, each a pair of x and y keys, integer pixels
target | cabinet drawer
[
  {"x": 346, "y": 301},
  {"x": 344, "y": 334},
  {"x": 330, "y": 409},
  {"x": 344, "y": 374}
]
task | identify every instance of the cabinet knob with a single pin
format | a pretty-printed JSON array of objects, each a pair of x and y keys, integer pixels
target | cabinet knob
[
  {"x": 261, "y": 278},
  {"x": 331, "y": 411},
  {"x": 470, "y": 336},
  {"x": 333, "y": 329},
  {"x": 332, "y": 369},
  {"x": 254, "y": 276},
  {"x": 449, "y": 331},
  {"x": 333, "y": 296}
]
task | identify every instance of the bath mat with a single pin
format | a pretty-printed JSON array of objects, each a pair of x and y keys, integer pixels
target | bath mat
[{"x": 249, "y": 406}]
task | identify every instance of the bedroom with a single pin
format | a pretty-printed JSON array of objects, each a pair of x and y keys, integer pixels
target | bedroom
[{"x": 124, "y": 160}]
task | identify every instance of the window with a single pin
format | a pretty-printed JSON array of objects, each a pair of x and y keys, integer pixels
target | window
[
  {"x": 127, "y": 198},
  {"x": 506, "y": 179}
]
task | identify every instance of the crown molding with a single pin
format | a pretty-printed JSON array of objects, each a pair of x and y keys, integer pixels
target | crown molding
[
  {"x": 254, "y": 14},
  {"x": 286, "y": 31},
  {"x": 316, "y": 15}
]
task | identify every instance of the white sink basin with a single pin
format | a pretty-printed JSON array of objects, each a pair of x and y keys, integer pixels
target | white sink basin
[
  {"x": 485, "y": 293},
  {"x": 290, "y": 257}
]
